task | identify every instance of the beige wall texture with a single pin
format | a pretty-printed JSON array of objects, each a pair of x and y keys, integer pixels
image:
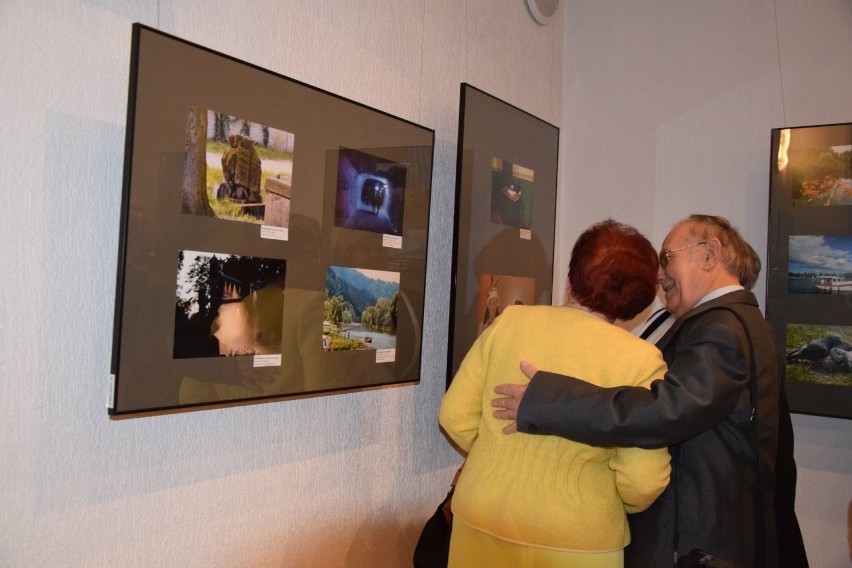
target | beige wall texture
[{"x": 665, "y": 108}]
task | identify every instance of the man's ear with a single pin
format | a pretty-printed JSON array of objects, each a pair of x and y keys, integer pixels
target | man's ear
[{"x": 714, "y": 252}]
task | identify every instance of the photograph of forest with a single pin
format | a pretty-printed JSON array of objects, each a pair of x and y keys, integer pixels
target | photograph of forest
[
  {"x": 227, "y": 305},
  {"x": 361, "y": 309},
  {"x": 237, "y": 170}
]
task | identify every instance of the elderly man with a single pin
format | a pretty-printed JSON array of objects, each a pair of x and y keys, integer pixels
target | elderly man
[{"x": 732, "y": 489}]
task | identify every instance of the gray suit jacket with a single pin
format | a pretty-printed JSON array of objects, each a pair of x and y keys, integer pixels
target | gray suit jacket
[{"x": 702, "y": 411}]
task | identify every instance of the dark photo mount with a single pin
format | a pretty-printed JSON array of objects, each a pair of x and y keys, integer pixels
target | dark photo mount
[
  {"x": 809, "y": 264},
  {"x": 506, "y": 182},
  {"x": 228, "y": 228}
]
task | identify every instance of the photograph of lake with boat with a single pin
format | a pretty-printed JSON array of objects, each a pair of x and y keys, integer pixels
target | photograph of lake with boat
[
  {"x": 361, "y": 308},
  {"x": 820, "y": 264}
]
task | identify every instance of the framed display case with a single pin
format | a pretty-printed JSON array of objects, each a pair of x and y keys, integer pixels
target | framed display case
[
  {"x": 272, "y": 238},
  {"x": 809, "y": 272},
  {"x": 504, "y": 218}
]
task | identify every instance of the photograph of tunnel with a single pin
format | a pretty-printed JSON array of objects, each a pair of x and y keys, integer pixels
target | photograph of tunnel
[{"x": 370, "y": 193}]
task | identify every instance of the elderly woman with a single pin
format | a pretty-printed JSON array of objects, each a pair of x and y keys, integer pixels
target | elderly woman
[{"x": 545, "y": 500}]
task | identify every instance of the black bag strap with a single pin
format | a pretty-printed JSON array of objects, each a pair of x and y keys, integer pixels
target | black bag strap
[
  {"x": 760, "y": 526},
  {"x": 446, "y": 506},
  {"x": 759, "y": 529}
]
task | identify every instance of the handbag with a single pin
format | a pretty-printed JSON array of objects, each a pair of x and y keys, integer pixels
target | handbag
[
  {"x": 433, "y": 546},
  {"x": 698, "y": 558}
]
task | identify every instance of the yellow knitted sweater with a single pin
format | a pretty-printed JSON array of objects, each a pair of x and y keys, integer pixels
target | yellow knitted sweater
[{"x": 548, "y": 491}]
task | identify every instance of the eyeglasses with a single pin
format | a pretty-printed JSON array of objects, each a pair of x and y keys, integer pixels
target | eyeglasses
[{"x": 666, "y": 255}]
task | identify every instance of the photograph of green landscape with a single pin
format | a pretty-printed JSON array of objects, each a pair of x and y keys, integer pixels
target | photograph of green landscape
[
  {"x": 819, "y": 354},
  {"x": 361, "y": 308}
]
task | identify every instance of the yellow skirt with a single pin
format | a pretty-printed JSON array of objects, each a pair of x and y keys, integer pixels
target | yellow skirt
[{"x": 471, "y": 548}]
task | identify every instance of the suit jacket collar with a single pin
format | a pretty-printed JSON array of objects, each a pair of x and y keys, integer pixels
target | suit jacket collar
[{"x": 735, "y": 297}]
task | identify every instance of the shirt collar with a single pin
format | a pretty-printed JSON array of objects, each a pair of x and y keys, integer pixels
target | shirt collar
[{"x": 719, "y": 292}]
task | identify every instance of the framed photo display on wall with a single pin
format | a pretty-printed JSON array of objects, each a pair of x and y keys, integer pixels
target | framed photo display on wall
[
  {"x": 504, "y": 218},
  {"x": 809, "y": 264},
  {"x": 272, "y": 238}
]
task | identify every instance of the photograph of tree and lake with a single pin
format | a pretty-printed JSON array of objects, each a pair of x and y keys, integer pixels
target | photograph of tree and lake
[
  {"x": 820, "y": 264},
  {"x": 817, "y": 163},
  {"x": 236, "y": 169},
  {"x": 361, "y": 308},
  {"x": 227, "y": 305}
]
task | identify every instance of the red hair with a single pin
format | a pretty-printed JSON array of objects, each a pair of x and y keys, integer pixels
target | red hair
[{"x": 613, "y": 270}]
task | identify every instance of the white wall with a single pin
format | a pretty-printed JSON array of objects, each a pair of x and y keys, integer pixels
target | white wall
[
  {"x": 341, "y": 480},
  {"x": 668, "y": 111}
]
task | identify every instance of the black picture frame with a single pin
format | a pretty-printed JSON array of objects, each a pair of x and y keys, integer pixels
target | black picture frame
[
  {"x": 809, "y": 256},
  {"x": 225, "y": 302},
  {"x": 505, "y": 214}
]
